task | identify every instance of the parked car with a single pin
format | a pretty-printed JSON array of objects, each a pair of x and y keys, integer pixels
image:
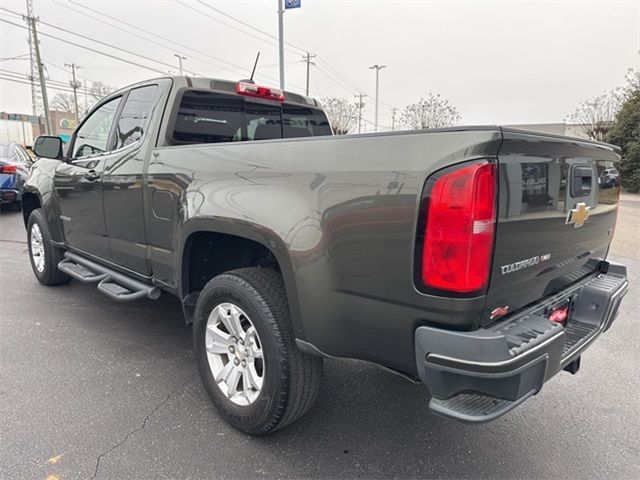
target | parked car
[
  {"x": 15, "y": 163},
  {"x": 427, "y": 252},
  {"x": 609, "y": 178}
]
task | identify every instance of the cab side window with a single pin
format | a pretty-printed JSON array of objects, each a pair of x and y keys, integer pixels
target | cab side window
[
  {"x": 135, "y": 115},
  {"x": 93, "y": 136}
]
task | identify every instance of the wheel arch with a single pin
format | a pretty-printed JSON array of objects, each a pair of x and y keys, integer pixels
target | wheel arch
[
  {"x": 30, "y": 202},
  {"x": 245, "y": 236},
  {"x": 38, "y": 192}
]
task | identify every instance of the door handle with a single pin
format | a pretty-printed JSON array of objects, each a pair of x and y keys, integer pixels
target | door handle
[
  {"x": 92, "y": 175},
  {"x": 581, "y": 181}
]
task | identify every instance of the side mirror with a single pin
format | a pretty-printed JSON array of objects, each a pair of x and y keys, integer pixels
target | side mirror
[{"x": 47, "y": 146}]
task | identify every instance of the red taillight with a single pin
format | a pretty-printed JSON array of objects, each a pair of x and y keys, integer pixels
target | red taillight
[
  {"x": 8, "y": 169},
  {"x": 459, "y": 231},
  {"x": 251, "y": 90}
]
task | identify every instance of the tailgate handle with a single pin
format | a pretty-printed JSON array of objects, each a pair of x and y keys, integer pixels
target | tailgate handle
[{"x": 581, "y": 181}]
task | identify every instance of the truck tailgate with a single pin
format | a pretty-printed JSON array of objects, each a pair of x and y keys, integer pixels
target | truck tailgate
[{"x": 557, "y": 210}]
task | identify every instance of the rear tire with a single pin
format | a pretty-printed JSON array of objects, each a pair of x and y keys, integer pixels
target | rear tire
[
  {"x": 290, "y": 379},
  {"x": 44, "y": 256}
]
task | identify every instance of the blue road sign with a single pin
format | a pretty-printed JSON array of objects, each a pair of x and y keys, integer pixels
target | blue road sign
[{"x": 292, "y": 4}]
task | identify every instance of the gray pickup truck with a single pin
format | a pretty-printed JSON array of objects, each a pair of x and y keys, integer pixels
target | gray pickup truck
[{"x": 472, "y": 259}]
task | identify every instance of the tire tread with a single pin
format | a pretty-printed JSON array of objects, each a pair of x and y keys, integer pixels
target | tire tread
[{"x": 53, "y": 255}]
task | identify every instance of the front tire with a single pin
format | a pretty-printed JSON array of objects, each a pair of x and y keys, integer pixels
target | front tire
[
  {"x": 44, "y": 256},
  {"x": 255, "y": 375}
]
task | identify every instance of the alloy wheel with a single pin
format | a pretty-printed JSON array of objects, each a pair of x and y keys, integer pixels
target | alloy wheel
[
  {"x": 235, "y": 354},
  {"x": 37, "y": 247}
]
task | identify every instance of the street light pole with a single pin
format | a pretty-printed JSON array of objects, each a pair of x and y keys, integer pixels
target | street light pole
[
  {"x": 377, "y": 68},
  {"x": 281, "y": 41},
  {"x": 180, "y": 59}
]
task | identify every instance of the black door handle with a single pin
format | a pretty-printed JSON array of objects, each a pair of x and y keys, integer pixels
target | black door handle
[{"x": 92, "y": 175}]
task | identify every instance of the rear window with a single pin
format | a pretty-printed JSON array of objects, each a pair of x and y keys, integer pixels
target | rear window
[{"x": 209, "y": 117}]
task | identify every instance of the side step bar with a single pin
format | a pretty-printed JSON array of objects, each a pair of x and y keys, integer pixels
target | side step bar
[{"x": 115, "y": 285}]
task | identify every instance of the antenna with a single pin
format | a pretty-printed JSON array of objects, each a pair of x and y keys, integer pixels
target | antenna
[
  {"x": 255, "y": 64},
  {"x": 254, "y": 67}
]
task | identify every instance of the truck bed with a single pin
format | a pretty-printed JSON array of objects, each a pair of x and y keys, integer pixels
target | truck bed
[{"x": 344, "y": 212}]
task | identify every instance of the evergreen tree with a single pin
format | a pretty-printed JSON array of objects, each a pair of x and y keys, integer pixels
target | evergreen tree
[{"x": 626, "y": 134}]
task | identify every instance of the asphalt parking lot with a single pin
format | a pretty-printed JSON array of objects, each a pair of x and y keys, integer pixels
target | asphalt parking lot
[{"x": 94, "y": 389}]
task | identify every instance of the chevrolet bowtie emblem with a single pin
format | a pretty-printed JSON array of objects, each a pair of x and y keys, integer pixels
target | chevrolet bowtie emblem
[{"x": 578, "y": 215}]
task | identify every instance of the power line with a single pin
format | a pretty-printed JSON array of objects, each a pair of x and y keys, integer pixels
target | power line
[
  {"x": 248, "y": 25},
  {"x": 84, "y": 37},
  {"x": 22, "y": 76},
  {"x": 237, "y": 68},
  {"x": 221, "y": 12},
  {"x": 330, "y": 71},
  {"x": 52, "y": 65},
  {"x": 337, "y": 82},
  {"x": 233, "y": 27},
  {"x": 339, "y": 75},
  {"x": 24, "y": 80},
  {"x": 190, "y": 7},
  {"x": 17, "y": 57},
  {"x": 87, "y": 48}
]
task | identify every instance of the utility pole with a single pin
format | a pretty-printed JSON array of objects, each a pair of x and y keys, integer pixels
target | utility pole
[
  {"x": 360, "y": 107},
  {"x": 377, "y": 68},
  {"x": 33, "y": 67},
  {"x": 86, "y": 99},
  {"x": 36, "y": 45},
  {"x": 307, "y": 58},
  {"x": 281, "y": 41},
  {"x": 394, "y": 110},
  {"x": 180, "y": 59},
  {"x": 75, "y": 85}
]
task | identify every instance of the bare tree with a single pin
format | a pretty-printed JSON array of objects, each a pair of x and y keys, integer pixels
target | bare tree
[
  {"x": 595, "y": 116},
  {"x": 342, "y": 114},
  {"x": 630, "y": 87},
  {"x": 62, "y": 102},
  {"x": 431, "y": 112},
  {"x": 99, "y": 90}
]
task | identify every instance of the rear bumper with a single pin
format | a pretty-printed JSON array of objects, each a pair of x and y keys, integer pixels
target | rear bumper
[
  {"x": 480, "y": 375},
  {"x": 9, "y": 195}
]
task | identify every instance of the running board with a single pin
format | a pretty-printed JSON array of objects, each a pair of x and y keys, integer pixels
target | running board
[
  {"x": 115, "y": 285},
  {"x": 475, "y": 407}
]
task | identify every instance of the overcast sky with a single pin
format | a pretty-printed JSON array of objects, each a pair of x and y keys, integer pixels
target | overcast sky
[{"x": 500, "y": 62}]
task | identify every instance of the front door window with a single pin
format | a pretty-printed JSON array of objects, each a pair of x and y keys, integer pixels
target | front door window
[{"x": 93, "y": 136}]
